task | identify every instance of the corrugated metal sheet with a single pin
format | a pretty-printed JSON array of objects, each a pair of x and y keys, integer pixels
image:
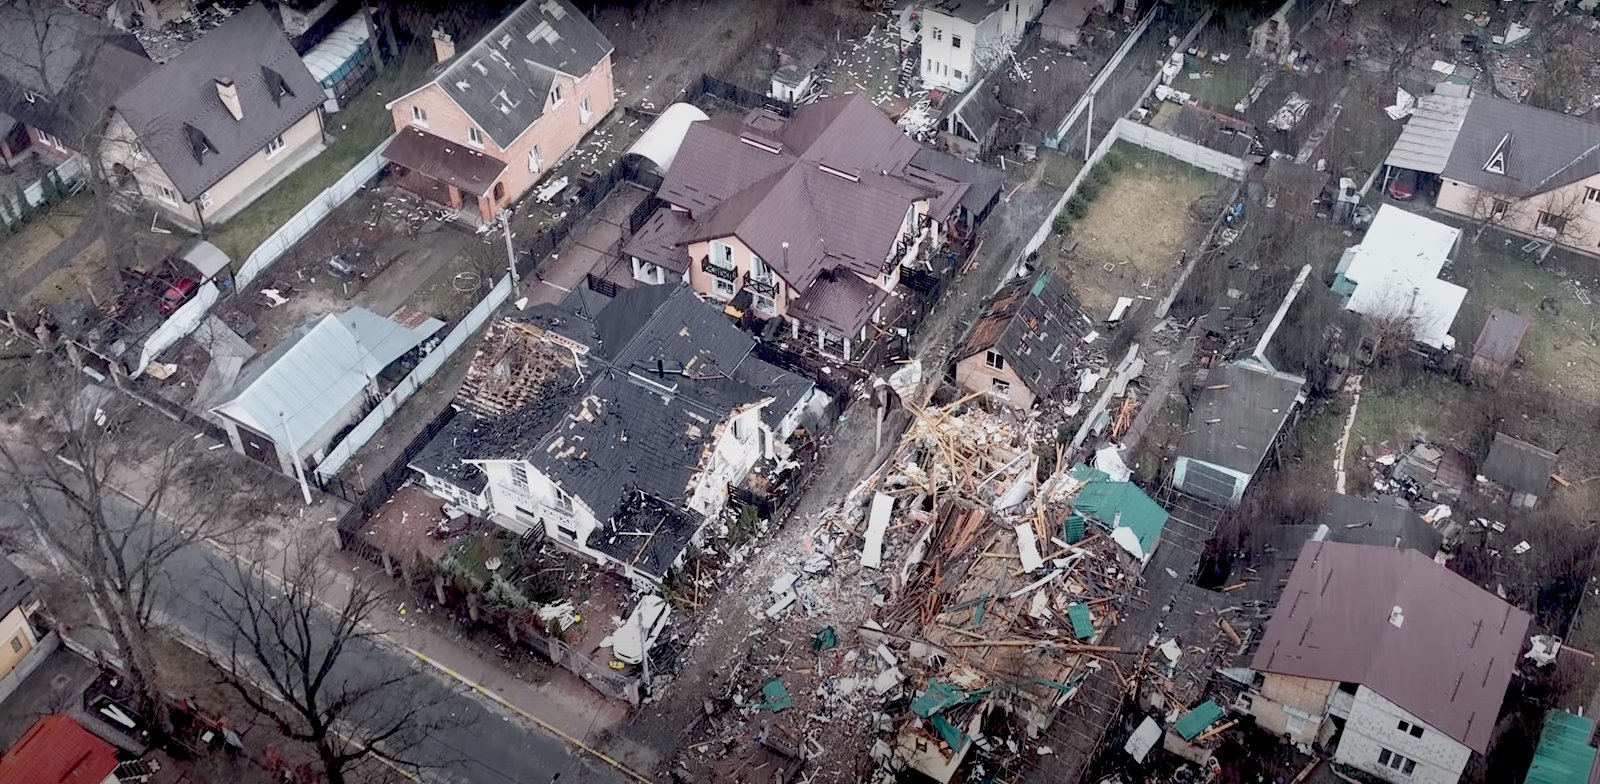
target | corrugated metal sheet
[
  {"x": 1429, "y": 136},
  {"x": 1082, "y": 622},
  {"x": 1197, "y": 720},
  {"x": 1564, "y": 755}
]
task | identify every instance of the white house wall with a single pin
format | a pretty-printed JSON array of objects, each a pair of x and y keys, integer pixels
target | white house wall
[
  {"x": 521, "y": 512},
  {"x": 730, "y": 462},
  {"x": 450, "y": 492},
  {"x": 1373, "y": 726}
]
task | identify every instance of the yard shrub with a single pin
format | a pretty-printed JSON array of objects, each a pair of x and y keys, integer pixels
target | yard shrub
[
  {"x": 1087, "y": 191},
  {"x": 1077, "y": 206},
  {"x": 1063, "y": 222}
]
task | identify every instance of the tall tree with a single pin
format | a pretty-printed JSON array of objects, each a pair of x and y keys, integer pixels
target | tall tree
[{"x": 296, "y": 657}]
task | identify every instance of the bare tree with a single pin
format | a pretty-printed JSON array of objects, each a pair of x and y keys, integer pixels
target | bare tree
[
  {"x": 106, "y": 495},
  {"x": 1410, "y": 26},
  {"x": 1561, "y": 217},
  {"x": 306, "y": 657},
  {"x": 1488, "y": 209}
]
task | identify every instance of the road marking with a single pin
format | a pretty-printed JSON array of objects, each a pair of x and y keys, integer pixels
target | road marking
[{"x": 546, "y": 726}]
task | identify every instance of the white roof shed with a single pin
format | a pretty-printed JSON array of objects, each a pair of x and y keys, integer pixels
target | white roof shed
[
  {"x": 660, "y": 142},
  {"x": 1396, "y": 269},
  {"x": 307, "y": 385}
]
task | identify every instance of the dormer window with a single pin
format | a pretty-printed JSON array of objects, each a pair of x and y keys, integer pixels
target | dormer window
[
  {"x": 277, "y": 86},
  {"x": 1497, "y": 160},
  {"x": 199, "y": 145}
]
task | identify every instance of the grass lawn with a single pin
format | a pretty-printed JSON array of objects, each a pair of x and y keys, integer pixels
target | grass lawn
[
  {"x": 356, "y": 130},
  {"x": 1394, "y": 409},
  {"x": 46, "y": 229},
  {"x": 1134, "y": 226}
]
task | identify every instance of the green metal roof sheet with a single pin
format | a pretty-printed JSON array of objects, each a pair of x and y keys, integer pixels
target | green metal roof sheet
[
  {"x": 940, "y": 695},
  {"x": 1196, "y": 721},
  {"x": 1102, "y": 499},
  {"x": 1082, "y": 622},
  {"x": 1564, "y": 754}
]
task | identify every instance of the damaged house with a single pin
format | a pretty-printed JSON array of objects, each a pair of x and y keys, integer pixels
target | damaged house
[
  {"x": 1027, "y": 342},
  {"x": 498, "y": 116},
  {"x": 616, "y": 430},
  {"x": 808, "y": 220},
  {"x": 1393, "y": 661},
  {"x": 1237, "y": 420}
]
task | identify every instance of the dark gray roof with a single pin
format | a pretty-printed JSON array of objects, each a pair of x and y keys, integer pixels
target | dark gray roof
[
  {"x": 838, "y": 300},
  {"x": 980, "y": 109},
  {"x": 1446, "y": 658},
  {"x": 983, "y": 182},
  {"x": 1380, "y": 522},
  {"x": 1501, "y": 337},
  {"x": 1038, "y": 326},
  {"x": 445, "y": 456},
  {"x": 657, "y": 240},
  {"x": 69, "y": 64},
  {"x": 969, "y": 10},
  {"x": 1519, "y": 465},
  {"x": 180, "y": 119},
  {"x": 646, "y": 534},
  {"x": 1238, "y": 415},
  {"x": 1546, "y": 149},
  {"x": 503, "y": 81},
  {"x": 14, "y": 585}
]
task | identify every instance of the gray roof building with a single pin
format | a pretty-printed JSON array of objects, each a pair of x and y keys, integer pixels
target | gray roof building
[
  {"x": 1519, "y": 465},
  {"x": 1344, "y": 519},
  {"x": 1238, "y": 416},
  {"x": 1038, "y": 326},
  {"x": 1405, "y": 627},
  {"x": 501, "y": 82},
  {"x": 179, "y": 117},
  {"x": 1541, "y": 150}
]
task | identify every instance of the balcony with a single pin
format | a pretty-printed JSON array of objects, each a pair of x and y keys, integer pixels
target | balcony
[
  {"x": 768, "y": 286},
  {"x": 726, "y": 273}
]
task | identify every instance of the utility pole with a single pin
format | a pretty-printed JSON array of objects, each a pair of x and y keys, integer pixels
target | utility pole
[
  {"x": 1088, "y": 130},
  {"x": 511, "y": 252}
]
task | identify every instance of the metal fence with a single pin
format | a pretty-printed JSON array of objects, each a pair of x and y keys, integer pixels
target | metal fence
[
  {"x": 743, "y": 97},
  {"x": 539, "y": 247}
]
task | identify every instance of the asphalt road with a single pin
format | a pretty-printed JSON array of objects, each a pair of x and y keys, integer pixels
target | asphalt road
[{"x": 475, "y": 743}]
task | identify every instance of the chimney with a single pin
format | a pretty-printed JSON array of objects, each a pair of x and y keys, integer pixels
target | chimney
[
  {"x": 1396, "y": 617},
  {"x": 230, "y": 97},
  {"x": 444, "y": 47}
]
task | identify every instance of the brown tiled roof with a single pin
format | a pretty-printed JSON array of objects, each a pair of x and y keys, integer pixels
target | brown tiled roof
[
  {"x": 1394, "y": 621},
  {"x": 657, "y": 240},
  {"x": 1501, "y": 336},
  {"x": 437, "y": 159},
  {"x": 840, "y": 301}
]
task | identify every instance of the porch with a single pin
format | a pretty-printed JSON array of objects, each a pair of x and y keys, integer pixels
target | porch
[{"x": 448, "y": 174}]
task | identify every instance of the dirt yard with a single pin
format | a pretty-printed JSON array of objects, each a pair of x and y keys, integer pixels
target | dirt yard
[{"x": 1137, "y": 228}]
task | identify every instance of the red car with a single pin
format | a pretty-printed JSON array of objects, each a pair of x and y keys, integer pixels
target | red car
[
  {"x": 1404, "y": 186},
  {"x": 177, "y": 294}
]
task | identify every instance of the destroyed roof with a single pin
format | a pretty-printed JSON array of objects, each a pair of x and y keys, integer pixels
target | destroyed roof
[
  {"x": 1352, "y": 520},
  {"x": 1519, "y": 465},
  {"x": 297, "y": 389},
  {"x": 1119, "y": 505},
  {"x": 1238, "y": 416},
  {"x": 1542, "y": 150},
  {"x": 1037, "y": 325},
  {"x": 1394, "y": 621},
  {"x": 826, "y": 188},
  {"x": 180, "y": 119},
  {"x": 1196, "y": 720},
  {"x": 1565, "y": 754},
  {"x": 646, "y": 534},
  {"x": 1429, "y": 136},
  {"x": 657, "y": 240},
  {"x": 62, "y": 68},
  {"x": 447, "y": 454},
  {"x": 503, "y": 81},
  {"x": 1501, "y": 337}
]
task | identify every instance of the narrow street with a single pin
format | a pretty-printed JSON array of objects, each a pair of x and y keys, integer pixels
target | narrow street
[{"x": 476, "y": 743}]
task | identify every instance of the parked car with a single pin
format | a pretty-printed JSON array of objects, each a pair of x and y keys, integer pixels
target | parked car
[
  {"x": 177, "y": 294},
  {"x": 1404, "y": 186}
]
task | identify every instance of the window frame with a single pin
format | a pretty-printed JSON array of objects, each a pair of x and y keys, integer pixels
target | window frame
[
  {"x": 938, "y": 33},
  {"x": 475, "y": 136},
  {"x": 555, "y": 96},
  {"x": 16, "y": 644},
  {"x": 585, "y": 114},
  {"x": 274, "y": 147},
  {"x": 955, "y": 41},
  {"x": 520, "y": 479},
  {"x": 757, "y": 300},
  {"x": 722, "y": 289},
  {"x": 1591, "y": 195},
  {"x": 719, "y": 248},
  {"x": 419, "y": 116},
  {"x": 1549, "y": 220},
  {"x": 1000, "y": 386},
  {"x": 994, "y": 360},
  {"x": 168, "y": 195}
]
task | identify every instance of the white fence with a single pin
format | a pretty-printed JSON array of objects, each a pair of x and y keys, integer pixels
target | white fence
[
  {"x": 1196, "y": 155},
  {"x": 182, "y": 322},
  {"x": 69, "y": 171},
  {"x": 1085, "y": 100},
  {"x": 430, "y": 364},
  {"x": 296, "y": 228}
]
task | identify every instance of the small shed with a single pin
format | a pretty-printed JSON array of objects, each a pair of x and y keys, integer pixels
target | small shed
[
  {"x": 1238, "y": 416},
  {"x": 797, "y": 71},
  {"x": 1062, "y": 21},
  {"x": 1565, "y": 752},
  {"x": 1520, "y": 467},
  {"x": 652, "y": 155},
  {"x": 342, "y": 62},
  {"x": 1497, "y": 344}
]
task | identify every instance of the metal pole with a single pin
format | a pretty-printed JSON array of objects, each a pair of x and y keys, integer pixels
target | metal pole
[
  {"x": 511, "y": 253},
  {"x": 1088, "y": 130},
  {"x": 294, "y": 454}
]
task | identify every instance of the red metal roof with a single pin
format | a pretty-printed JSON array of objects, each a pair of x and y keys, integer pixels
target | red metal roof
[{"x": 57, "y": 750}]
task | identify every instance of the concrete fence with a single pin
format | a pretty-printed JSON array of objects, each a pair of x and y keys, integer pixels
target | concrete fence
[
  {"x": 1078, "y": 109},
  {"x": 430, "y": 364},
  {"x": 1196, "y": 155},
  {"x": 297, "y": 227}
]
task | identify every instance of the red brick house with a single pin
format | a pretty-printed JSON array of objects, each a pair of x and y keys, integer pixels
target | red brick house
[{"x": 501, "y": 114}]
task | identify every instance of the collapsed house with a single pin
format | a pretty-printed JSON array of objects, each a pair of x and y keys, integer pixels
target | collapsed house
[
  {"x": 1393, "y": 661},
  {"x": 616, "y": 430}
]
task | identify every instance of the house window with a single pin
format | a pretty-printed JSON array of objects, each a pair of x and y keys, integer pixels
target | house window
[
  {"x": 759, "y": 269},
  {"x": 955, "y": 42},
  {"x": 555, "y": 95},
  {"x": 722, "y": 255},
  {"x": 766, "y": 304},
  {"x": 205, "y": 200},
  {"x": 583, "y": 111},
  {"x": 533, "y": 159},
  {"x": 419, "y": 117},
  {"x": 16, "y": 644},
  {"x": 738, "y": 429},
  {"x": 1498, "y": 209},
  {"x": 519, "y": 478},
  {"x": 51, "y": 140},
  {"x": 274, "y": 147},
  {"x": 1000, "y": 388},
  {"x": 994, "y": 361},
  {"x": 1591, "y": 195},
  {"x": 564, "y": 504},
  {"x": 1394, "y": 761},
  {"x": 1413, "y": 730},
  {"x": 956, "y": 72},
  {"x": 1554, "y": 223},
  {"x": 474, "y": 136},
  {"x": 938, "y": 35},
  {"x": 167, "y": 194},
  {"x": 723, "y": 288}
]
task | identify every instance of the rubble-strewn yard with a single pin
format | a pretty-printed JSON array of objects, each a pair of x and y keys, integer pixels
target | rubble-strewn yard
[{"x": 1136, "y": 228}]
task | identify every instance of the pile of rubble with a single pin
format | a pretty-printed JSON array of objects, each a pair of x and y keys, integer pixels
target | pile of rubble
[{"x": 952, "y": 603}]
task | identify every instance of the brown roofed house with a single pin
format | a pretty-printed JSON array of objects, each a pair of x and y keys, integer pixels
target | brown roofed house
[
  {"x": 502, "y": 113},
  {"x": 1026, "y": 343},
  {"x": 1395, "y": 661},
  {"x": 207, "y": 132},
  {"x": 810, "y": 218}
]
